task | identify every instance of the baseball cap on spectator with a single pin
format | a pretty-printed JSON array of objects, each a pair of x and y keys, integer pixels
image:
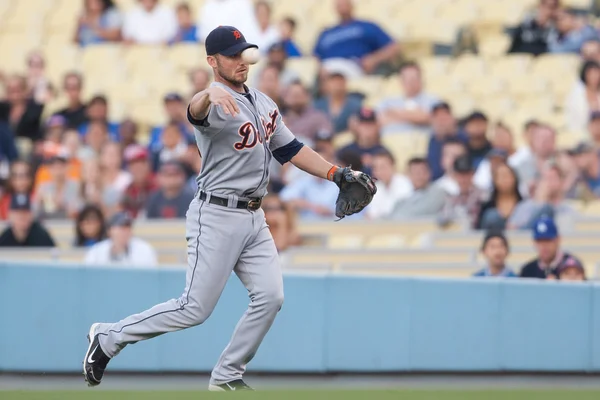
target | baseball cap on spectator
[
  {"x": 135, "y": 152},
  {"x": 324, "y": 135},
  {"x": 501, "y": 153},
  {"x": 120, "y": 219},
  {"x": 442, "y": 105},
  {"x": 545, "y": 229},
  {"x": 475, "y": 116},
  {"x": 20, "y": 202},
  {"x": 227, "y": 41},
  {"x": 278, "y": 46},
  {"x": 570, "y": 262},
  {"x": 463, "y": 164},
  {"x": 56, "y": 121},
  {"x": 581, "y": 148},
  {"x": 334, "y": 67},
  {"x": 367, "y": 115},
  {"x": 172, "y": 166},
  {"x": 172, "y": 97}
]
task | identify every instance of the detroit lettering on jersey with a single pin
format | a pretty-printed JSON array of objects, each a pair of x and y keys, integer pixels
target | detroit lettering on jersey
[
  {"x": 250, "y": 134},
  {"x": 237, "y": 150}
]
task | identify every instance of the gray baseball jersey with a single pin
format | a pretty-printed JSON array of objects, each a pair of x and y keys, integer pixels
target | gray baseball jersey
[{"x": 236, "y": 151}]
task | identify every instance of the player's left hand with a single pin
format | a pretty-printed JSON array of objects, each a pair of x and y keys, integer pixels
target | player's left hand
[{"x": 356, "y": 191}]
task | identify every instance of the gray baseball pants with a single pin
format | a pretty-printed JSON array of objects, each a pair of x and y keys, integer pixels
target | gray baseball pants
[{"x": 219, "y": 240}]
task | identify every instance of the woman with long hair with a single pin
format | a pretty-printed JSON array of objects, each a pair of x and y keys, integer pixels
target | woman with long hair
[
  {"x": 90, "y": 226},
  {"x": 584, "y": 98},
  {"x": 505, "y": 197}
]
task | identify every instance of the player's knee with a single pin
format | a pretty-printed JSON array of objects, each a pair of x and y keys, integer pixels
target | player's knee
[
  {"x": 274, "y": 299},
  {"x": 196, "y": 314}
]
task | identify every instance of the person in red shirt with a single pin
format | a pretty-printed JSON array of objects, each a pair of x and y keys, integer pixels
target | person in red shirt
[
  {"x": 144, "y": 182},
  {"x": 20, "y": 182}
]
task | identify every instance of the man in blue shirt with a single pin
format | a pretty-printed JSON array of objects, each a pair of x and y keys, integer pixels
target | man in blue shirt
[
  {"x": 570, "y": 34},
  {"x": 361, "y": 42},
  {"x": 495, "y": 250},
  {"x": 97, "y": 111},
  {"x": 588, "y": 164},
  {"x": 444, "y": 128},
  {"x": 176, "y": 112},
  {"x": 367, "y": 141},
  {"x": 186, "y": 31}
]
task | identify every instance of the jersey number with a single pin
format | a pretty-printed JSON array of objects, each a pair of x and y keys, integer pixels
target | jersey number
[{"x": 251, "y": 136}]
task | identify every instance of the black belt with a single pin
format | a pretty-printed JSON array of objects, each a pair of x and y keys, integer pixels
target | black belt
[{"x": 252, "y": 205}]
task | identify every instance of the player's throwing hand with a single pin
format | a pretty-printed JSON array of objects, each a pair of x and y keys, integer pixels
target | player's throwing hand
[{"x": 221, "y": 98}]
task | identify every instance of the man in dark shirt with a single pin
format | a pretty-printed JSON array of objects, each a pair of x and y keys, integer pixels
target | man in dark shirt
[
  {"x": 367, "y": 141},
  {"x": 444, "y": 129},
  {"x": 75, "y": 112},
  {"x": 531, "y": 36},
  {"x": 478, "y": 145},
  {"x": 550, "y": 257},
  {"x": 23, "y": 231},
  {"x": 173, "y": 197}
]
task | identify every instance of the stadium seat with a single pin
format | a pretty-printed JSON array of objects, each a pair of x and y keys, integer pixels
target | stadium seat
[
  {"x": 186, "y": 56},
  {"x": 342, "y": 139},
  {"x": 405, "y": 145},
  {"x": 466, "y": 67},
  {"x": 345, "y": 241},
  {"x": 390, "y": 241},
  {"x": 493, "y": 46}
]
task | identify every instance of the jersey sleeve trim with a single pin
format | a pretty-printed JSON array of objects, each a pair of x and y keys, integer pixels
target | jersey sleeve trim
[
  {"x": 197, "y": 122},
  {"x": 287, "y": 152}
]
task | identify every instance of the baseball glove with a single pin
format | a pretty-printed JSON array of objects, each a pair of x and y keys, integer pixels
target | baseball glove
[{"x": 356, "y": 191}]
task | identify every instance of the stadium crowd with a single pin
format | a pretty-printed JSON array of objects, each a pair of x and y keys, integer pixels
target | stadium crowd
[{"x": 79, "y": 164}]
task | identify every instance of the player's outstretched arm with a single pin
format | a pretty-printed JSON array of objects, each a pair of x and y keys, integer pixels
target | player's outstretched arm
[
  {"x": 310, "y": 161},
  {"x": 201, "y": 102}
]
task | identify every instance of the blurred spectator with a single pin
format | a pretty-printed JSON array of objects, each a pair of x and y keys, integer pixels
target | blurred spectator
[
  {"x": 128, "y": 133},
  {"x": 571, "y": 270},
  {"x": 186, "y": 29},
  {"x": 590, "y": 51},
  {"x": 495, "y": 249},
  {"x": 114, "y": 179},
  {"x": 573, "y": 187},
  {"x": 524, "y": 152},
  {"x": 95, "y": 139},
  {"x": 20, "y": 182},
  {"x": 44, "y": 171},
  {"x": 277, "y": 57},
  {"x": 287, "y": 28},
  {"x": 337, "y": 103},
  {"x": 55, "y": 129},
  {"x": 173, "y": 197},
  {"x": 478, "y": 145},
  {"x": 571, "y": 33},
  {"x": 97, "y": 111},
  {"x": 444, "y": 128},
  {"x": 74, "y": 113},
  {"x": 311, "y": 197},
  {"x": 467, "y": 203},
  {"x": 23, "y": 230},
  {"x": 503, "y": 201},
  {"x": 59, "y": 197},
  {"x": 268, "y": 34},
  {"x": 121, "y": 247},
  {"x": 8, "y": 150},
  {"x": 22, "y": 114},
  {"x": 143, "y": 182},
  {"x": 300, "y": 116},
  {"x": 99, "y": 23},
  {"x": 550, "y": 257},
  {"x": 451, "y": 150},
  {"x": 391, "y": 186},
  {"x": 531, "y": 36},
  {"x": 367, "y": 139},
  {"x": 91, "y": 184},
  {"x": 412, "y": 110},
  {"x": 176, "y": 111},
  {"x": 362, "y": 44},
  {"x": 72, "y": 144},
  {"x": 503, "y": 151},
  {"x": 427, "y": 199},
  {"x": 281, "y": 222},
  {"x": 594, "y": 129},
  {"x": 173, "y": 146},
  {"x": 200, "y": 79},
  {"x": 149, "y": 23},
  {"x": 39, "y": 87},
  {"x": 543, "y": 149},
  {"x": 269, "y": 82},
  {"x": 588, "y": 164},
  {"x": 237, "y": 13},
  {"x": 90, "y": 227},
  {"x": 548, "y": 199},
  {"x": 584, "y": 98}
]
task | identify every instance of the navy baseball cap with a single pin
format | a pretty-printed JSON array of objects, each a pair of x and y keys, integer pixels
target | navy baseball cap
[
  {"x": 121, "y": 218},
  {"x": 20, "y": 202},
  {"x": 545, "y": 229},
  {"x": 227, "y": 41}
]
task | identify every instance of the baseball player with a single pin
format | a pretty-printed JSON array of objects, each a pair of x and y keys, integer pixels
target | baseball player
[{"x": 238, "y": 131}]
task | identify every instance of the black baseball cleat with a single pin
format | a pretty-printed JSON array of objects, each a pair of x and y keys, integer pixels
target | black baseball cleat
[
  {"x": 233, "y": 386},
  {"x": 95, "y": 360}
]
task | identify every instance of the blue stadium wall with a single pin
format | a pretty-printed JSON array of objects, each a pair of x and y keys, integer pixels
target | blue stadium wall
[{"x": 328, "y": 323}]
